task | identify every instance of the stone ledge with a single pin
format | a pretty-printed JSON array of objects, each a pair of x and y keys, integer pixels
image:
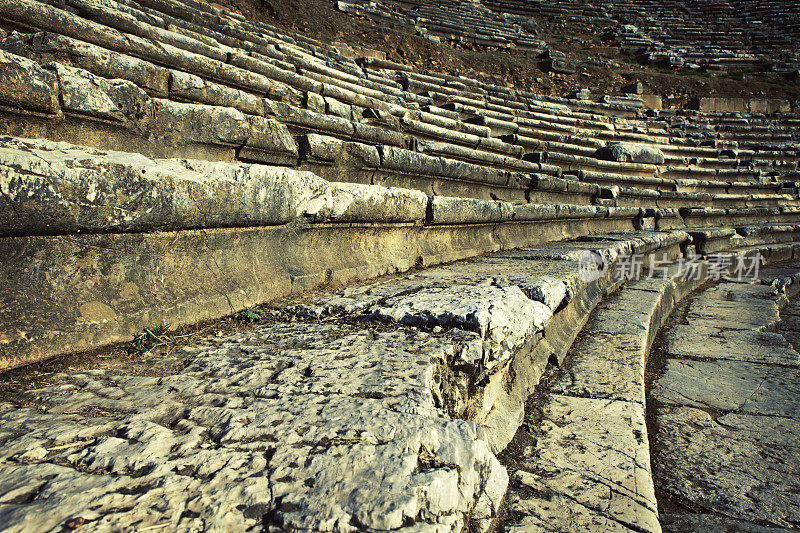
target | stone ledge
[
  {"x": 55, "y": 188},
  {"x": 489, "y": 381},
  {"x": 128, "y": 242},
  {"x": 315, "y": 427}
]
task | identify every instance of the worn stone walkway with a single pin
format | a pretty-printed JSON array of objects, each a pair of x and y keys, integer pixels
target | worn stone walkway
[
  {"x": 383, "y": 406},
  {"x": 354, "y": 411},
  {"x": 727, "y": 414},
  {"x": 589, "y": 469}
]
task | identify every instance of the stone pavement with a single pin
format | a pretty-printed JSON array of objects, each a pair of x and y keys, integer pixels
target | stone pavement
[
  {"x": 381, "y": 407},
  {"x": 727, "y": 414},
  {"x": 349, "y": 412},
  {"x": 589, "y": 469},
  {"x": 334, "y": 427}
]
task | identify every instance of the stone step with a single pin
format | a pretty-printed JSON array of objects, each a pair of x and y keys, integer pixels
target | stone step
[
  {"x": 133, "y": 215},
  {"x": 587, "y": 464},
  {"x": 377, "y": 408},
  {"x": 242, "y": 233},
  {"x": 726, "y": 413},
  {"x": 589, "y": 467}
]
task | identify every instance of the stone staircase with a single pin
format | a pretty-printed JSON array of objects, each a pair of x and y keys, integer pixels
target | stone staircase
[{"x": 166, "y": 162}]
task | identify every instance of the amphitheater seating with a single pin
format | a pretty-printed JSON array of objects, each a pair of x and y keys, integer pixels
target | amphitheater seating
[
  {"x": 168, "y": 79},
  {"x": 167, "y": 162},
  {"x": 455, "y": 22},
  {"x": 724, "y": 35}
]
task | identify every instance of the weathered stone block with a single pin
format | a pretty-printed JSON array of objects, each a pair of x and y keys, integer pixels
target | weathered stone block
[
  {"x": 184, "y": 86},
  {"x": 84, "y": 93},
  {"x": 45, "y": 47},
  {"x": 269, "y": 142},
  {"x": 624, "y": 152},
  {"x": 452, "y": 210},
  {"x": 199, "y": 123},
  {"x": 24, "y": 85},
  {"x": 55, "y": 188}
]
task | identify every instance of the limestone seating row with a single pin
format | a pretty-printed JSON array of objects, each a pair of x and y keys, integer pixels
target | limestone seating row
[
  {"x": 720, "y": 49},
  {"x": 119, "y": 235},
  {"x": 312, "y": 63},
  {"x": 710, "y": 39},
  {"x": 67, "y": 209},
  {"x": 273, "y": 145},
  {"x": 592, "y": 435},
  {"x": 253, "y": 105},
  {"x": 762, "y": 363},
  {"x": 550, "y": 117},
  {"x": 457, "y": 22},
  {"x": 253, "y": 138},
  {"x": 372, "y": 131},
  {"x": 334, "y": 125},
  {"x": 461, "y": 341},
  {"x": 592, "y": 406}
]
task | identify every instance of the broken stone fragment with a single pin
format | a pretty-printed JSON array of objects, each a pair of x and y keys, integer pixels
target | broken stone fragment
[
  {"x": 583, "y": 94},
  {"x": 503, "y": 316}
]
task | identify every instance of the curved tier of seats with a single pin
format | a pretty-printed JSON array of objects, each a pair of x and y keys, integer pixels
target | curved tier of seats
[
  {"x": 453, "y": 21},
  {"x": 184, "y": 80},
  {"x": 724, "y": 34},
  {"x": 589, "y": 464},
  {"x": 166, "y": 162}
]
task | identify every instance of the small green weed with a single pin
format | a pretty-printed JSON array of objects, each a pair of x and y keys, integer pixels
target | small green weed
[
  {"x": 148, "y": 339},
  {"x": 529, "y": 424},
  {"x": 251, "y": 315}
]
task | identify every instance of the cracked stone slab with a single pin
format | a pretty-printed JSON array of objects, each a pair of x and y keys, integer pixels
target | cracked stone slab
[
  {"x": 736, "y": 306},
  {"x": 554, "y": 513},
  {"x": 504, "y": 317},
  {"x": 741, "y": 465},
  {"x": 707, "y": 523},
  {"x": 321, "y": 427},
  {"x": 621, "y": 322},
  {"x": 701, "y": 341},
  {"x": 87, "y": 94},
  {"x": 547, "y": 274},
  {"x": 549, "y": 282},
  {"x": 734, "y": 315},
  {"x": 594, "y": 453},
  {"x": 730, "y": 386},
  {"x": 607, "y": 366},
  {"x": 53, "y": 188},
  {"x": 25, "y": 84},
  {"x": 739, "y": 292}
]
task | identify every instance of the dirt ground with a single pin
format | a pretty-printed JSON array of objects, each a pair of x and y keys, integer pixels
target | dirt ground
[{"x": 600, "y": 66}]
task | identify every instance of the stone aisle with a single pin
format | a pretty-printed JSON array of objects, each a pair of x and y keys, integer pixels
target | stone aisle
[
  {"x": 588, "y": 466},
  {"x": 726, "y": 451}
]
